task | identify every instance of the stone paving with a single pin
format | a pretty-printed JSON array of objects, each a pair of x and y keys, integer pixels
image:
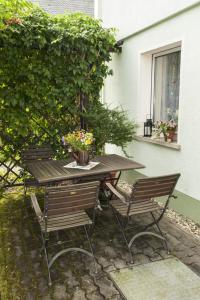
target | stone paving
[{"x": 23, "y": 274}]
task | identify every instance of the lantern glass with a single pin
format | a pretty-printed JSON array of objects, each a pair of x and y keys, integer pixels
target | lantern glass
[{"x": 148, "y": 128}]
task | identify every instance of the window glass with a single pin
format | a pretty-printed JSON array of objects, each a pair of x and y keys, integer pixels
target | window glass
[{"x": 166, "y": 87}]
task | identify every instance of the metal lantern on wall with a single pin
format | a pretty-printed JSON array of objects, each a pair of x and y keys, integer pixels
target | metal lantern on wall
[{"x": 148, "y": 124}]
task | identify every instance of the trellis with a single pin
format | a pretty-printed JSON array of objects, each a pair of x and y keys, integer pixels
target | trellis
[
  {"x": 10, "y": 167},
  {"x": 52, "y": 71},
  {"x": 11, "y": 164}
]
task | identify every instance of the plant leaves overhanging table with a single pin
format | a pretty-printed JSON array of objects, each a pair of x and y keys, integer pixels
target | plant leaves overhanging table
[{"x": 53, "y": 171}]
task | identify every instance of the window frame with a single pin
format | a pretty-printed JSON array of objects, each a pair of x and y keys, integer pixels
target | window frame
[{"x": 154, "y": 56}]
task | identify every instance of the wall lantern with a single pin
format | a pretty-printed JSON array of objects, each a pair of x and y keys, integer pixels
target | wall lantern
[{"x": 148, "y": 124}]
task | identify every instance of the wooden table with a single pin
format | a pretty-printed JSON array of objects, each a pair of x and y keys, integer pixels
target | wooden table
[{"x": 54, "y": 170}]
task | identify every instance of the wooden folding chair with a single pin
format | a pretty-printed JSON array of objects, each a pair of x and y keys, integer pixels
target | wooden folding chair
[
  {"x": 142, "y": 200},
  {"x": 34, "y": 153},
  {"x": 65, "y": 208}
]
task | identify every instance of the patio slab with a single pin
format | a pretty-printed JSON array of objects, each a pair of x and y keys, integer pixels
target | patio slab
[
  {"x": 23, "y": 273},
  {"x": 167, "y": 279}
]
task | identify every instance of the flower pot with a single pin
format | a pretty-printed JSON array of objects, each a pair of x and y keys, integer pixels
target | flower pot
[
  {"x": 81, "y": 157},
  {"x": 170, "y": 135}
]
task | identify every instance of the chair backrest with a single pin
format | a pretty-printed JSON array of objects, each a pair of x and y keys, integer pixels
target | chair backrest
[
  {"x": 61, "y": 200},
  {"x": 43, "y": 152},
  {"x": 153, "y": 187}
]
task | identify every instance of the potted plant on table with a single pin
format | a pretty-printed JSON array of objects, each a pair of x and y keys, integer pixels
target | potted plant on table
[
  {"x": 167, "y": 128},
  {"x": 79, "y": 143}
]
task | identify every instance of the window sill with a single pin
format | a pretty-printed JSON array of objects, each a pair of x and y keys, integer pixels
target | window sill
[{"x": 159, "y": 142}]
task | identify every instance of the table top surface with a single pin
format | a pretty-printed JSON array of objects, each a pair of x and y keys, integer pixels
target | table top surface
[{"x": 54, "y": 170}]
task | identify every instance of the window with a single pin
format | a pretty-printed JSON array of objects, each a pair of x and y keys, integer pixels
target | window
[{"x": 165, "y": 83}]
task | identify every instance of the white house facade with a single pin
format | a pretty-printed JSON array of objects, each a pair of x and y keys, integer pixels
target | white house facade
[{"x": 157, "y": 74}]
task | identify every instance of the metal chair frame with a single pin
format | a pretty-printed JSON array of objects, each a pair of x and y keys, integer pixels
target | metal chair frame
[
  {"x": 67, "y": 202},
  {"x": 113, "y": 179},
  {"x": 155, "y": 187}
]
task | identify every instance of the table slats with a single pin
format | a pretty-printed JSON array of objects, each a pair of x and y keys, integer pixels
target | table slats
[{"x": 54, "y": 170}]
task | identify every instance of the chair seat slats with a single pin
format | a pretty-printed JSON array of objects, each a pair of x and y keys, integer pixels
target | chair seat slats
[
  {"x": 67, "y": 221},
  {"x": 68, "y": 217},
  {"x": 62, "y": 227},
  {"x": 135, "y": 208},
  {"x": 134, "y": 204},
  {"x": 74, "y": 216}
]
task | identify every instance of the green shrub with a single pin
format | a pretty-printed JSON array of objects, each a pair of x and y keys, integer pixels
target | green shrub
[{"x": 46, "y": 64}]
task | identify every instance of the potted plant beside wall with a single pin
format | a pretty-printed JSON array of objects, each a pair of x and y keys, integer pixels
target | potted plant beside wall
[{"x": 167, "y": 129}]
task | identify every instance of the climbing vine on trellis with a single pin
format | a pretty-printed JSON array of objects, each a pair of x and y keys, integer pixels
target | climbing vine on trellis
[{"x": 48, "y": 66}]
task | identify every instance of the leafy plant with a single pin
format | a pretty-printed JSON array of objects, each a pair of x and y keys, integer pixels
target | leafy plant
[
  {"x": 12, "y": 10},
  {"x": 165, "y": 127},
  {"x": 47, "y": 64},
  {"x": 109, "y": 126}
]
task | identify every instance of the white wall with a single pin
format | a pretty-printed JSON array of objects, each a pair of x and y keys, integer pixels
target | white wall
[
  {"x": 131, "y": 15},
  {"x": 129, "y": 87}
]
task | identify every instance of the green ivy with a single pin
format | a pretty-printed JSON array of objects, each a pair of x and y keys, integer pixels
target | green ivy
[
  {"x": 46, "y": 64},
  {"x": 13, "y": 9}
]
